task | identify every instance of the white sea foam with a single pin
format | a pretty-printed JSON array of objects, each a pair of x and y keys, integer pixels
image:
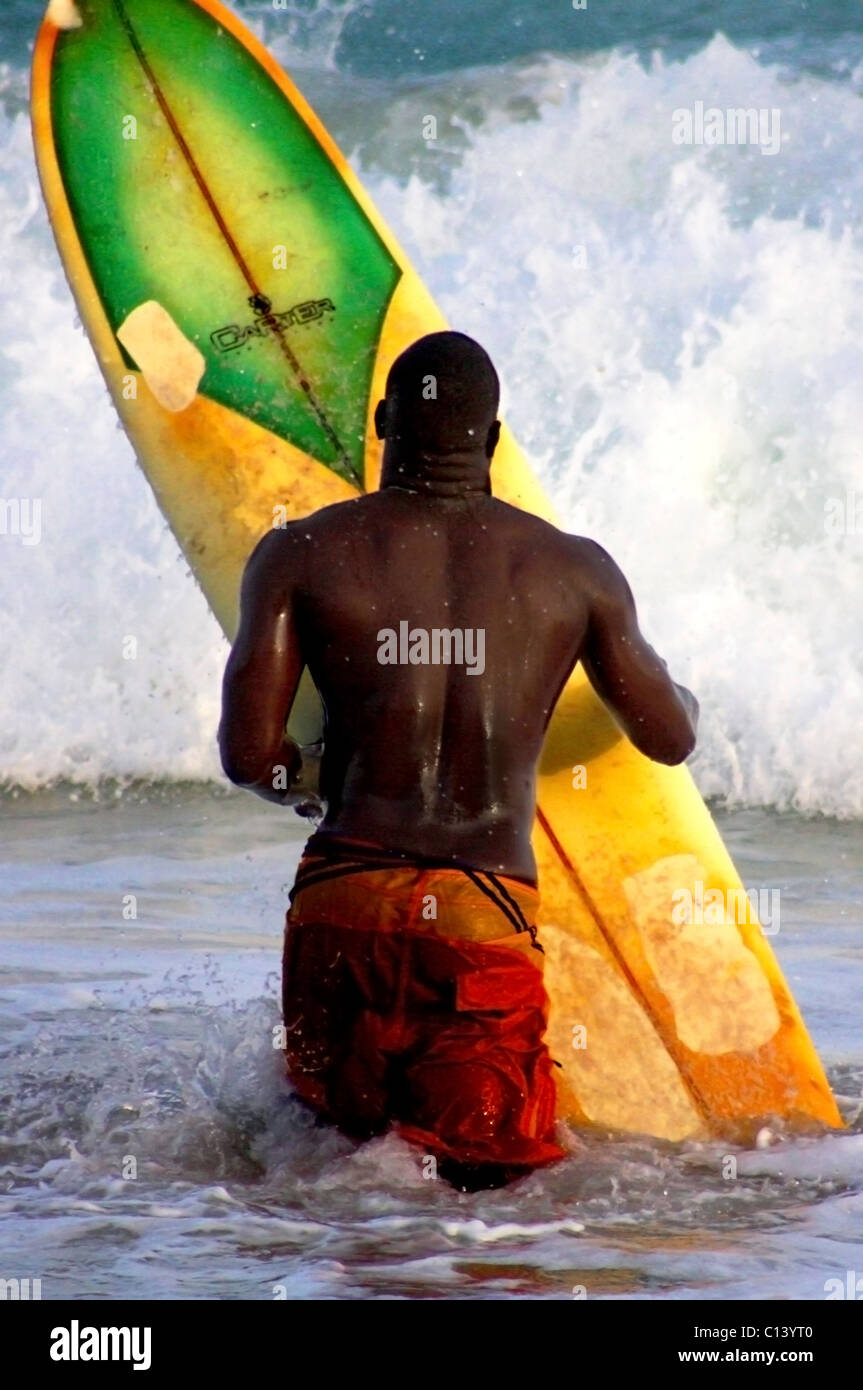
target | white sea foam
[{"x": 678, "y": 329}]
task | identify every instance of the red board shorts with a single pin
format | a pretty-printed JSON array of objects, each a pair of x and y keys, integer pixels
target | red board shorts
[{"x": 411, "y": 1000}]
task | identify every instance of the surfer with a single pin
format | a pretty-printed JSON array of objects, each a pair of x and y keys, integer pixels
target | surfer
[{"x": 412, "y": 984}]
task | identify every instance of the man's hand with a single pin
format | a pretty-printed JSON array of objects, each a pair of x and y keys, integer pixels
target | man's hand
[
  {"x": 305, "y": 792},
  {"x": 308, "y": 779}
]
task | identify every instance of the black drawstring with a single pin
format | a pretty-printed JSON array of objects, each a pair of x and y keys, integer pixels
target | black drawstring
[
  {"x": 513, "y": 913},
  {"x": 515, "y": 907},
  {"x": 313, "y": 874}
]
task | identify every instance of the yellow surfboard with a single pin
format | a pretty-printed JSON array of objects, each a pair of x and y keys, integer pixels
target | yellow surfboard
[{"x": 245, "y": 301}]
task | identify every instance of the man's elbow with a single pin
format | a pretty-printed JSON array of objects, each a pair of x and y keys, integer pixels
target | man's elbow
[
  {"x": 670, "y": 742},
  {"x": 273, "y": 765},
  {"x": 674, "y": 740},
  {"x": 239, "y": 775},
  {"x": 670, "y": 747},
  {"x": 678, "y": 753},
  {"x": 236, "y": 770},
  {"x": 240, "y": 765}
]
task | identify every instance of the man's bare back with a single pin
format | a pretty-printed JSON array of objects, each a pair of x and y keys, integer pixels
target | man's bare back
[{"x": 438, "y": 759}]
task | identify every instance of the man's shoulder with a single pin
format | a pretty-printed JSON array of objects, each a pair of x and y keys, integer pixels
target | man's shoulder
[
  {"x": 335, "y": 514},
  {"x": 300, "y": 532},
  {"x": 580, "y": 550}
]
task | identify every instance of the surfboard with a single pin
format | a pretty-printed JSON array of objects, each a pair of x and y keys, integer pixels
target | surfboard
[{"x": 245, "y": 301}]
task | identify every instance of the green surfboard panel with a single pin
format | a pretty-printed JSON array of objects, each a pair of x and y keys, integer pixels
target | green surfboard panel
[{"x": 160, "y": 117}]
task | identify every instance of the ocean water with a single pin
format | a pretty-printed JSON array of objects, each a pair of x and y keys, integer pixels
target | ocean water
[
  {"x": 678, "y": 329},
  {"x": 149, "y": 1038}
]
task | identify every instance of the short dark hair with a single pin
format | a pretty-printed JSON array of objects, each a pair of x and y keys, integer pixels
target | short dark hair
[{"x": 442, "y": 394}]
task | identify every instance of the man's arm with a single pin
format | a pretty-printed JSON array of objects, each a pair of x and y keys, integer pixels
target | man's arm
[
  {"x": 263, "y": 673},
  {"x": 657, "y": 715}
]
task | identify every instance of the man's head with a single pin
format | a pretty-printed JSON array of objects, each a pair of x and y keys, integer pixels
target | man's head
[{"x": 439, "y": 416}]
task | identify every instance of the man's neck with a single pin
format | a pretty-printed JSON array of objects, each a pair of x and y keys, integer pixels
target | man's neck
[{"x": 439, "y": 475}]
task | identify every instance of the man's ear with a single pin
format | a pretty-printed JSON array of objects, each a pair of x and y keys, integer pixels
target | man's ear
[
  {"x": 492, "y": 438},
  {"x": 381, "y": 419}
]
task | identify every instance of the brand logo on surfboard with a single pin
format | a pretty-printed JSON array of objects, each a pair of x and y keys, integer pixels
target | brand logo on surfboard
[{"x": 232, "y": 336}]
